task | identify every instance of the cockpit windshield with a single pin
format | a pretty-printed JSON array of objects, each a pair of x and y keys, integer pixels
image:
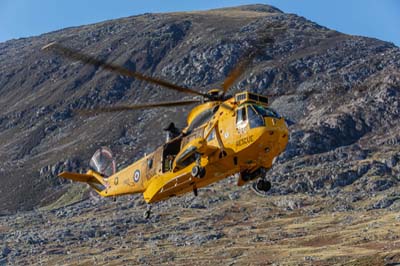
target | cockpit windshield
[
  {"x": 266, "y": 111},
  {"x": 253, "y": 115},
  {"x": 247, "y": 115},
  {"x": 255, "y": 119}
]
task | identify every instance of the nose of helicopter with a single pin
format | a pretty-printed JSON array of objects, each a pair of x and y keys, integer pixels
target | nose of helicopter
[{"x": 275, "y": 136}]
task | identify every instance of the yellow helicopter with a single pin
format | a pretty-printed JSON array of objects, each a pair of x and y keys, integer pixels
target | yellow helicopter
[{"x": 225, "y": 136}]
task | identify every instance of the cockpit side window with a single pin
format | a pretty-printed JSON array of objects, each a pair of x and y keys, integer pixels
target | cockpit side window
[
  {"x": 241, "y": 118},
  {"x": 212, "y": 135},
  {"x": 255, "y": 119}
]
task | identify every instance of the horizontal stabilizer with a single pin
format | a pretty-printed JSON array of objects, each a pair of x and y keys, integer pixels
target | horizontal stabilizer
[{"x": 86, "y": 178}]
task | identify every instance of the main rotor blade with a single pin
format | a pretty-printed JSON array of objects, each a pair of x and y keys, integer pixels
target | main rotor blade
[
  {"x": 75, "y": 55},
  {"x": 243, "y": 64},
  {"x": 133, "y": 107},
  {"x": 237, "y": 71}
]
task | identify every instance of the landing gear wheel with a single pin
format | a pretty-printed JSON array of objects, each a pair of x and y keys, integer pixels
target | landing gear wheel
[
  {"x": 198, "y": 171},
  {"x": 263, "y": 185}
]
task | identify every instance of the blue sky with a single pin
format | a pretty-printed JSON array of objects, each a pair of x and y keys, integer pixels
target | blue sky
[{"x": 23, "y": 18}]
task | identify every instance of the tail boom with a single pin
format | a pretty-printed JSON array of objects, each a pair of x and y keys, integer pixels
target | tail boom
[{"x": 92, "y": 178}]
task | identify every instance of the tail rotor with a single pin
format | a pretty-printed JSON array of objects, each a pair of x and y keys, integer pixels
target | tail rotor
[{"x": 103, "y": 162}]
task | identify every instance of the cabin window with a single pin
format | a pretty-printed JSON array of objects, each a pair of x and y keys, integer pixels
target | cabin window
[
  {"x": 241, "y": 118},
  {"x": 255, "y": 120},
  {"x": 150, "y": 163}
]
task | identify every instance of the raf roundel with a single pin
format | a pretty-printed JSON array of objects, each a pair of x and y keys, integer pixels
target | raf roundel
[{"x": 136, "y": 176}]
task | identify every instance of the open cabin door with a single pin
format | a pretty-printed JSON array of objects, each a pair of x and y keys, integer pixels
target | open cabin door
[
  {"x": 162, "y": 159},
  {"x": 171, "y": 149}
]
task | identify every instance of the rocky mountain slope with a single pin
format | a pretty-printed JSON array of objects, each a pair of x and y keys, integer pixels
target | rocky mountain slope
[
  {"x": 342, "y": 102},
  {"x": 232, "y": 228}
]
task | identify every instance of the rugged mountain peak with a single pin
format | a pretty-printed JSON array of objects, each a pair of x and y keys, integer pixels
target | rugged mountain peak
[{"x": 255, "y": 8}]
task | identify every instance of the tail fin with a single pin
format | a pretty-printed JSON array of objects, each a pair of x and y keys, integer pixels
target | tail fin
[{"x": 92, "y": 178}]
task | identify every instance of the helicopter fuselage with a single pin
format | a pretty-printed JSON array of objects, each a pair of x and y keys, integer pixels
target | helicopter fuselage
[{"x": 239, "y": 137}]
